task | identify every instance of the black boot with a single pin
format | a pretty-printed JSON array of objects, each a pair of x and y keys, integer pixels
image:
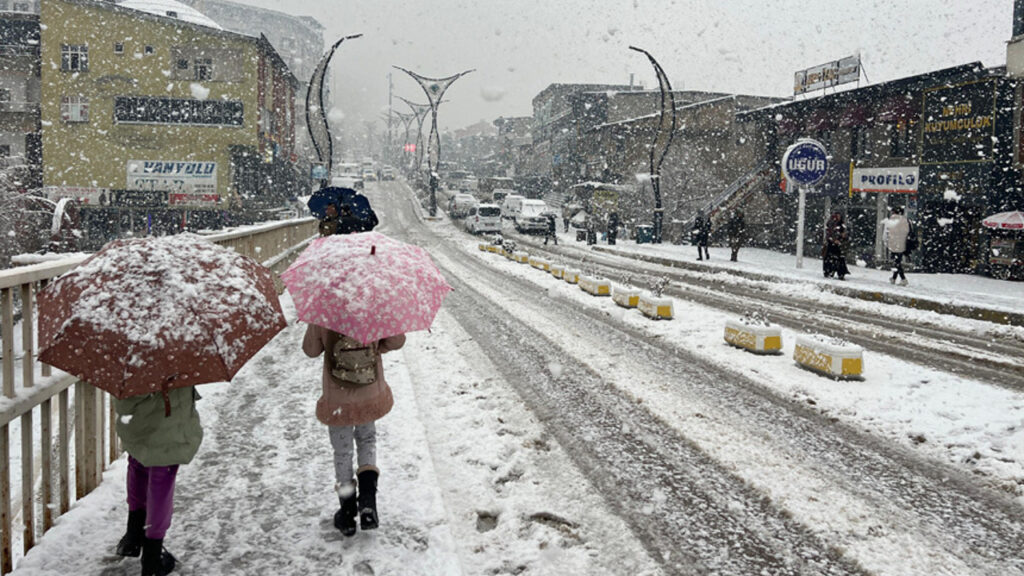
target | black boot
[
  {"x": 345, "y": 517},
  {"x": 368, "y": 499},
  {"x": 131, "y": 542},
  {"x": 155, "y": 560}
]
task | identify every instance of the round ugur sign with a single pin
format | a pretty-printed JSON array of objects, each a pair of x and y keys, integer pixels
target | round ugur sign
[{"x": 805, "y": 162}]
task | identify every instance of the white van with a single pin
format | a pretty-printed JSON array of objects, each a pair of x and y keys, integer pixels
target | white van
[
  {"x": 532, "y": 216},
  {"x": 460, "y": 205},
  {"x": 511, "y": 205},
  {"x": 499, "y": 194},
  {"x": 483, "y": 218}
]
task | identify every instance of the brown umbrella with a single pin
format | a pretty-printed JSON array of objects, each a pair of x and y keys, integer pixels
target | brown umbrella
[{"x": 152, "y": 314}]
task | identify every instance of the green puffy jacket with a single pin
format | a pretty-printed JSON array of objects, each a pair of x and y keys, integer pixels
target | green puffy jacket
[{"x": 154, "y": 438}]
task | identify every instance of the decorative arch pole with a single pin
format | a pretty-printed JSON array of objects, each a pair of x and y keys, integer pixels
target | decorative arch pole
[
  {"x": 662, "y": 141},
  {"x": 406, "y": 119},
  {"x": 434, "y": 89},
  {"x": 316, "y": 119},
  {"x": 420, "y": 112}
]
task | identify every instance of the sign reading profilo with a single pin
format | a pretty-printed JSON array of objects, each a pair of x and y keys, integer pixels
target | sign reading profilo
[{"x": 959, "y": 123}]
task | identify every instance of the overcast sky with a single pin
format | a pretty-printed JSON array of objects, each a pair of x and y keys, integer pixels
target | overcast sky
[{"x": 518, "y": 47}]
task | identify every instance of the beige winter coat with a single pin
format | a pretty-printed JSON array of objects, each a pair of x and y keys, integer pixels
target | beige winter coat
[
  {"x": 345, "y": 406},
  {"x": 897, "y": 231}
]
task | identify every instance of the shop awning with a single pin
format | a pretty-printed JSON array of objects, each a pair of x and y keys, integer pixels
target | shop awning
[
  {"x": 820, "y": 120},
  {"x": 854, "y": 115},
  {"x": 896, "y": 109},
  {"x": 789, "y": 126}
]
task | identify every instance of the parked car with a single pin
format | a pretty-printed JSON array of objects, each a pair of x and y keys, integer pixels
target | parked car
[
  {"x": 352, "y": 181},
  {"x": 483, "y": 218},
  {"x": 532, "y": 216},
  {"x": 511, "y": 205},
  {"x": 387, "y": 173},
  {"x": 460, "y": 204}
]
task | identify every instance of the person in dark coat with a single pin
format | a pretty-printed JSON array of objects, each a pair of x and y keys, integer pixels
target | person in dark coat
[
  {"x": 550, "y": 231},
  {"x": 591, "y": 230},
  {"x": 736, "y": 230},
  {"x": 702, "y": 234},
  {"x": 329, "y": 225},
  {"x": 833, "y": 250},
  {"x": 349, "y": 222},
  {"x": 613, "y": 227}
]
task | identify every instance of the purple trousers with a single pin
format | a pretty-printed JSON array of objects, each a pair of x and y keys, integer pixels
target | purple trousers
[{"x": 152, "y": 489}]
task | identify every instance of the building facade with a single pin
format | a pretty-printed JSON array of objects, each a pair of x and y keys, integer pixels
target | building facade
[
  {"x": 155, "y": 123},
  {"x": 19, "y": 92}
]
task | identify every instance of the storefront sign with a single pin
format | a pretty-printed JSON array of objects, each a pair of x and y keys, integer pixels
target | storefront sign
[
  {"x": 886, "y": 180},
  {"x": 188, "y": 178},
  {"x": 826, "y": 75},
  {"x": 805, "y": 163},
  {"x": 959, "y": 123},
  {"x": 184, "y": 199}
]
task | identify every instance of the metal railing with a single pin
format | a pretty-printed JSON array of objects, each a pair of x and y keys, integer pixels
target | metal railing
[{"x": 66, "y": 426}]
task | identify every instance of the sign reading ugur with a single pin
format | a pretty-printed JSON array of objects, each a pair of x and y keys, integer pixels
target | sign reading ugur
[{"x": 805, "y": 162}]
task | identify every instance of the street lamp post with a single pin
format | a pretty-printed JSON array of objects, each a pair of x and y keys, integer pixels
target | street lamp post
[
  {"x": 420, "y": 112},
  {"x": 406, "y": 120},
  {"x": 434, "y": 89},
  {"x": 662, "y": 141},
  {"x": 316, "y": 119}
]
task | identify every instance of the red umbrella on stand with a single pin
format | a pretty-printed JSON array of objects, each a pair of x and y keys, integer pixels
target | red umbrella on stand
[
  {"x": 152, "y": 314},
  {"x": 1013, "y": 220}
]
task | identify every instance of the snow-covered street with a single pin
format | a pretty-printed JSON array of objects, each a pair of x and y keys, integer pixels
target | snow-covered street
[{"x": 540, "y": 430}]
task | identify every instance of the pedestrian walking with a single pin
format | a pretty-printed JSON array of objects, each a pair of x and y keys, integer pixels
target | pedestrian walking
[
  {"x": 701, "y": 234},
  {"x": 566, "y": 215},
  {"x": 591, "y": 229},
  {"x": 736, "y": 230},
  {"x": 833, "y": 249},
  {"x": 329, "y": 224},
  {"x": 160, "y": 432},
  {"x": 613, "y": 228},
  {"x": 550, "y": 233},
  {"x": 897, "y": 232},
  {"x": 354, "y": 396}
]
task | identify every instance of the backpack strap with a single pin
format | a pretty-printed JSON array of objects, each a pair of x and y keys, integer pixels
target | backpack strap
[{"x": 350, "y": 363}]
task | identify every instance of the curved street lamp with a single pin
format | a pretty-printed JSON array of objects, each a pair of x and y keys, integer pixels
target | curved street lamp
[
  {"x": 434, "y": 89},
  {"x": 420, "y": 111},
  {"x": 316, "y": 119},
  {"x": 662, "y": 141},
  {"x": 406, "y": 119}
]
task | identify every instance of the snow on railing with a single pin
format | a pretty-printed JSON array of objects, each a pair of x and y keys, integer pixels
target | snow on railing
[{"x": 51, "y": 411}]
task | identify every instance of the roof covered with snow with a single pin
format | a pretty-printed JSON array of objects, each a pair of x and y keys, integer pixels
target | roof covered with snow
[{"x": 171, "y": 9}]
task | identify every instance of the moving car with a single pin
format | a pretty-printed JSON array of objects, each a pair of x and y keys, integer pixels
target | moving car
[
  {"x": 532, "y": 216},
  {"x": 483, "y": 218},
  {"x": 499, "y": 194},
  {"x": 459, "y": 205}
]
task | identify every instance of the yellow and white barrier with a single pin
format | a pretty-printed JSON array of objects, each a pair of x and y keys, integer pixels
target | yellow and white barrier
[
  {"x": 655, "y": 307},
  {"x": 540, "y": 263},
  {"x": 557, "y": 270},
  {"x": 571, "y": 275},
  {"x": 626, "y": 297},
  {"x": 521, "y": 257},
  {"x": 482, "y": 246},
  {"x": 595, "y": 286},
  {"x": 759, "y": 339},
  {"x": 493, "y": 248},
  {"x": 828, "y": 358}
]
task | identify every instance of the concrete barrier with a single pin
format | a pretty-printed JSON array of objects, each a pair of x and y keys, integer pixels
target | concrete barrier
[
  {"x": 626, "y": 297},
  {"x": 837, "y": 360},
  {"x": 482, "y": 246},
  {"x": 655, "y": 307},
  {"x": 595, "y": 286},
  {"x": 571, "y": 275},
  {"x": 540, "y": 263},
  {"x": 557, "y": 270},
  {"x": 521, "y": 257},
  {"x": 756, "y": 338}
]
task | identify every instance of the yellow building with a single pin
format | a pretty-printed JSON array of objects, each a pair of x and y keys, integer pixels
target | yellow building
[{"x": 150, "y": 119}]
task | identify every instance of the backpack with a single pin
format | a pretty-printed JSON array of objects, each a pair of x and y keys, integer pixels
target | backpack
[
  {"x": 351, "y": 363},
  {"x": 911, "y": 238}
]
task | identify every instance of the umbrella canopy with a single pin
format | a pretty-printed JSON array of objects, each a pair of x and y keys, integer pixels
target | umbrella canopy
[
  {"x": 357, "y": 204},
  {"x": 366, "y": 286},
  {"x": 151, "y": 314},
  {"x": 1013, "y": 220}
]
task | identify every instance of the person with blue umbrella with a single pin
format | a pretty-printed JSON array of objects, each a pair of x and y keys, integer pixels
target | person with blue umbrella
[{"x": 342, "y": 211}]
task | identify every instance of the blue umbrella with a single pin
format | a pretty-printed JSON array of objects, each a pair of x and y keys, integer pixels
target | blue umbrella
[{"x": 359, "y": 215}]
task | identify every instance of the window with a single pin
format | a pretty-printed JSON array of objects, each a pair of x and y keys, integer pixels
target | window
[
  {"x": 203, "y": 69},
  {"x": 143, "y": 110},
  {"x": 149, "y": 50},
  {"x": 859, "y": 143},
  {"x": 74, "y": 57},
  {"x": 118, "y": 47},
  {"x": 4, "y": 5},
  {"x": 901, "y": 139},
  {"x": 22, "y": 7},
  {"x": 5, "y": 150},
  {"x": 5, "y": 95},
  {"x": 74, "y": 109}
]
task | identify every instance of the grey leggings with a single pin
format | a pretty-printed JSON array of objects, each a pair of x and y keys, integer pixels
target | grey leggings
[{"x": 342, "y": 437}]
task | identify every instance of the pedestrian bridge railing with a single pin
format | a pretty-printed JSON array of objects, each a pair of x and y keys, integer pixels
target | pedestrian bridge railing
[{"x": 66, "y": 427}]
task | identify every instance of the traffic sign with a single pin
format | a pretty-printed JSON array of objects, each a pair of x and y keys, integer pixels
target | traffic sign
[{"x": 805, "y": 162}]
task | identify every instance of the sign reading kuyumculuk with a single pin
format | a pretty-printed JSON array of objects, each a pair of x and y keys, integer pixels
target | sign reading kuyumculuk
[
  {"x": 826, "y": 75},
  {"x": 959, "y": 123},
  {"x": 805, "y": 162},
  {"x": 186, "y": 183},
  {"x": 886, "y": 180}
]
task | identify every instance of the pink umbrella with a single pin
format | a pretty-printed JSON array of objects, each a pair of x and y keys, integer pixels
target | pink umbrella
[
  {"x": 367, "y": 286},
  {"x": 1013, "y": 220}
]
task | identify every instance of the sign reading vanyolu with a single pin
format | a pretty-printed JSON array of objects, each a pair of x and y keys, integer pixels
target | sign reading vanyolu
[
  {"x": 885, "y": 180},
  {"x": 186, "y": 183},
  {"x": 959, "y": 123}
]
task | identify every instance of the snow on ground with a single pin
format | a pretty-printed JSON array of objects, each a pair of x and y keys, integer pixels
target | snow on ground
[
  {"x": 470, "y": 484},
  {"x": 970, "y": 424}
]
